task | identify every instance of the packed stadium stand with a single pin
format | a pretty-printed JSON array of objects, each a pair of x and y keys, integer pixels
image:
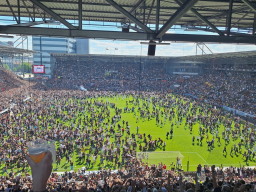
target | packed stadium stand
[
  {"x": 219, "y": 85},
  {"x": 9, "y": 80},
  {"x": 118, "y": 123},
  {"x": 234, "y": 88},
  {"x": 10, "y": 85}
]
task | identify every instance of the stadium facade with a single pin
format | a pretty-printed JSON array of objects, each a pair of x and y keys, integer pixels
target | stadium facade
[{"x": 47, "y": 45}]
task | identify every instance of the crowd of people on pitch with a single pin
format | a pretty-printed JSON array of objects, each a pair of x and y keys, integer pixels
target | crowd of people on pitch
[
  {"x": 86, "y": 131},
  {"x": 83, "y": 125},
  {"x": 233, "y": 89}
]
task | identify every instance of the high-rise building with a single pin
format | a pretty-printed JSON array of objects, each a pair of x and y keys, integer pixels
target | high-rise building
[
  {"x": 82, "y": 46},
  {"x": 47, "y": 45}
]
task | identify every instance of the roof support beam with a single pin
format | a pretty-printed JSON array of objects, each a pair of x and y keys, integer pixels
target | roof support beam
[
  {"x": 34, "y": 12},
  {"x": 149, "y": 14},
  {"x": 208, "y": 38},
  {"x": 144, "y": 12},
  {"x": 229, "y": 17},
  {"x": 138, "y": 16},
  {"x": 57, "y": 32},
  {"x": 241, "y": 18},
  {"x": 80, "y": 14},
  {"x": 157, "y": 14},
  {"x": 28, "y": 10},
  {"x": 136, "y": 6},
  {"x": 224, "y": 32},
  {"x": 254, "y": 24},
  {"x": 34, "y": 23},
  {"x": 54, "y": 15},
  {"x": 243, "y": 10},
  {"x": 133, "y": 9},
  {"x": 176, "y": 16},
  {"x": 250, "y": 5},
  {"x": 202, "y": 19},
  {"x": 224, "y": 14},
  {"x": 202, "y": 49},
  {"x": 7, "y": 1},
  {"x": 18, "y": 3},
  {"x": 130, "y": 16}
]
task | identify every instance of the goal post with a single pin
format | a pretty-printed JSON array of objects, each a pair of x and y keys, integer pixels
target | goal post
[{"x": 164, "y": 157}]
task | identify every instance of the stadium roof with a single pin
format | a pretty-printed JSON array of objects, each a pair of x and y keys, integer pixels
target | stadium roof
[
  {"x": 8, "y": 51},
  {"x": 227, "y": 18},
  {"x": 215, "y": 11},
  {"x": 246, "y": 57},
  {"x": 242, "y": 54},
  {"x": 91, "y": 56}
]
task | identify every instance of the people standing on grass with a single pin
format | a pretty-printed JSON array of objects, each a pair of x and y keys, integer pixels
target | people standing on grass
[{"x": 82, "y": 124}]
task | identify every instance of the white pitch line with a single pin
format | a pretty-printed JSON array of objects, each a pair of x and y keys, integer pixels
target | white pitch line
[
  {"x": 202, "y": 158},
  {"x": 198, "y": 155},
  {"x": 188, "y": 152}
]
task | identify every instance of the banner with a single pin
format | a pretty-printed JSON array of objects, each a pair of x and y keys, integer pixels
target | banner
[
  {"x": 82, "y": 88},
  {"x": 207, "y": 83}
]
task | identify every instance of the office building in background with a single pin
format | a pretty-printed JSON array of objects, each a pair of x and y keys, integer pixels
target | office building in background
[
  {"x": 82, "y": 46},
  {"x": 47, "y": 45}
]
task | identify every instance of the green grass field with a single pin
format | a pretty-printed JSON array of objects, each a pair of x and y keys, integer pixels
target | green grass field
[{"x": 181, "y": 142}]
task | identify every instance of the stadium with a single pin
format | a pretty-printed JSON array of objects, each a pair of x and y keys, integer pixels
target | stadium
[{"x": 98, "y": 96}]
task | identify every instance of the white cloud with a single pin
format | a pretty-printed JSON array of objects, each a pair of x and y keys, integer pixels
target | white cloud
[{"x": 223, "y": 48}]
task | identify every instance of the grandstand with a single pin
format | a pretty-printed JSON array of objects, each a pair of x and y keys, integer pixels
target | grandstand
[
  {"x": 10, "y": 83},
  {"x": 122, "y": 73},
  {"x": 131, "y": 123}
]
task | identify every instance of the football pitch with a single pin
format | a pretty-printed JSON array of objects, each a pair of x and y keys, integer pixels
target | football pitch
[{"x": 181, "y": 142}]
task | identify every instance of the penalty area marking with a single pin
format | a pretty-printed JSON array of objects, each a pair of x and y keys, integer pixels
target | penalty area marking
[{"x": 198, "y": 155}]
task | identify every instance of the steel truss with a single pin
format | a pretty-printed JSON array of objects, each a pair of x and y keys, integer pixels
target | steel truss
[{"x": 150, "y": 19}]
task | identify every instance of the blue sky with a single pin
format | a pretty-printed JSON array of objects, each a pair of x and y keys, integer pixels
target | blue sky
[
  {"x": 174, "y": 49},
  {"x": 134, "y": 47}
]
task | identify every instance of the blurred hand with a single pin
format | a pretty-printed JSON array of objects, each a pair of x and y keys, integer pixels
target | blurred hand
[{"x": 41, "y": 171}]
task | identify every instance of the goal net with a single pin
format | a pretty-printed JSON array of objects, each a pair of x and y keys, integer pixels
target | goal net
[{"x": 165, "y": 157}]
